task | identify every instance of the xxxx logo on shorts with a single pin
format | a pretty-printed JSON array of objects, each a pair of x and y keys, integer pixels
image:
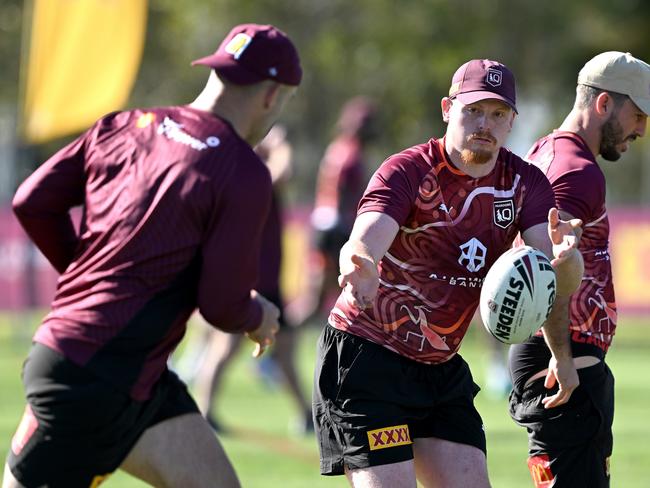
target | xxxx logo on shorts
[{"x": 397, "y": 435}]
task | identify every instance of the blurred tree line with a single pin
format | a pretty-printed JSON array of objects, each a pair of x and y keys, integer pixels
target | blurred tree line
[{"x": 402, "y": 54}]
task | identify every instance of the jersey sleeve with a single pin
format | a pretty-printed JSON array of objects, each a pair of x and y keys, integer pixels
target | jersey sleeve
[
  {"x": 571, "y": 197},
  {"x": 392, "y": 189},
  {"x": 43, "y": 200},
  {"x": 538, "y": 198},
  {"x": 231, "y": 251}
]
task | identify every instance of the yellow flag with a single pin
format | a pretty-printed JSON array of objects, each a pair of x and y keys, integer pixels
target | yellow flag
[{"x": 83, "y": 58}]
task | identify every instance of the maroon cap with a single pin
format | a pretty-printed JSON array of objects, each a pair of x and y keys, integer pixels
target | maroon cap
[
  {"x": 251, "y": 53},
  {"x": 480, "y": 79}
]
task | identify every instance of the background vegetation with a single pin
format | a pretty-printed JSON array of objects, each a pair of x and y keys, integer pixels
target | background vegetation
[{"x": 400, "y": 53}]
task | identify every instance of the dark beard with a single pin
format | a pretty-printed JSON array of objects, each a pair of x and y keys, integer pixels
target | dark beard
[
  {"x": 475, "y": 157},
  {"x": 611, "y": 136}
]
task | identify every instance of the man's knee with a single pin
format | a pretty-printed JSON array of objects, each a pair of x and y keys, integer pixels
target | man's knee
[{"x": 8, "y": 480}]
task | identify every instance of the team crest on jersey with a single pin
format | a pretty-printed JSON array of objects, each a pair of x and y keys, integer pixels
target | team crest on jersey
[{"x": 504, "y": 213}]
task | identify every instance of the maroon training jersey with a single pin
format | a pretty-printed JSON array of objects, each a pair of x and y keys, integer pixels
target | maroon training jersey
[
  {"x": 452, "y": 228},
  {"x": 579, "y": 186},
  {"x": 174, "y": 202},
  {"x": 341, "y": 180}
]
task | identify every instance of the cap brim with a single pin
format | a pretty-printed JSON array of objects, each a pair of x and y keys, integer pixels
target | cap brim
[
  {"x": 477, "y": 96},
  {"x": 231, "y": 71},
  {"x": 642, "y": 103}
]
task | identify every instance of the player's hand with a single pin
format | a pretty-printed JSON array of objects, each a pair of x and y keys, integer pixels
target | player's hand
[
  {"x": 565, "y": 374},
  {"x": 563, "y": 236},
  {"x": 359, "y": 279},
  {"x": 264, "y": 335}
]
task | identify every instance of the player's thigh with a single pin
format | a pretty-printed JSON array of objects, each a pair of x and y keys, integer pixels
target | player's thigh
[
  {"x": 181, "y": 451},
  {"x": 442, "y": 463},
  {"x": 8, "y": 479},
  {"x": 395, "y": 475}
]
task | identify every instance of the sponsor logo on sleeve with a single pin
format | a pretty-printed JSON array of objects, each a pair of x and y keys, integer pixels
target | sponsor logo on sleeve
[
  {"x": 540, "y": 470},
  {"x": 397, "y": 435}
]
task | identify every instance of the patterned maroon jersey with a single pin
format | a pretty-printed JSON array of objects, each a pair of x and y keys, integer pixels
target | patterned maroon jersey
[
  {"x": 452, "y": 228},
  {"x": 173, "y": 207},
  {"x": 579, "y": 186}
]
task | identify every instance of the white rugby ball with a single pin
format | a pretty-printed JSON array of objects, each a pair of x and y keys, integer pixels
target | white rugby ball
[{"x": 517, "y": 294}]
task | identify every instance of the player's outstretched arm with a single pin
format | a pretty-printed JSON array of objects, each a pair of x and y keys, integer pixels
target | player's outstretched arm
[
  {"x": 561, "y": 369},
  {"x": 371, "y": 236},
  {"x": 567, "y": 259},
  {"x": 559, "y": 241}
]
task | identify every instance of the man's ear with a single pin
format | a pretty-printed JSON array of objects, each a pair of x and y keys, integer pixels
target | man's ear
[
  {"x": 604, "y": 104},
  {"x": 271, "y": 95},
  {"x": 445, "y": 105}
]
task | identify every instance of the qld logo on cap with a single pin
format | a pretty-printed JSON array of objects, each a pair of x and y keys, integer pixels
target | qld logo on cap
[
  {"x": 494, "y": 77},
  {"x": 238, "y": 44}
]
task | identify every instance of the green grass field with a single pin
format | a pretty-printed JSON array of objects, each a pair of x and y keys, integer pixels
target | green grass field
[{"x": 267, "y": 455}]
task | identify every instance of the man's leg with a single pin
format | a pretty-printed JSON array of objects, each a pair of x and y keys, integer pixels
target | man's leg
[
  {"x": 569, "y": 446},
  {"x": 283, "y": 353},
  {"x": 221, "y": 350},
  {"x": 182, "y": 451},
  {"x": 8, "y": 480},
  {"x": 441, "y": 463},
  {"x": 396, "y": 475}
]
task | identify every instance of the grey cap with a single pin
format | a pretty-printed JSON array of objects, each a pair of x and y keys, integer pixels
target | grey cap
[{"x": 621, "y": 73}]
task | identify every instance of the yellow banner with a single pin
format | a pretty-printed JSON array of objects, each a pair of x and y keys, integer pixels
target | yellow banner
[{"x": 83, "y": 58}]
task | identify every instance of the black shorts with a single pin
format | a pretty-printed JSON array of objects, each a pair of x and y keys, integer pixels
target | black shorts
[
  {"x": 571, "y": 443},
  {"x": 77, "y": 429},
  {"x": 369, "y": 403},
  {"x": 329, "y": 242}
]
